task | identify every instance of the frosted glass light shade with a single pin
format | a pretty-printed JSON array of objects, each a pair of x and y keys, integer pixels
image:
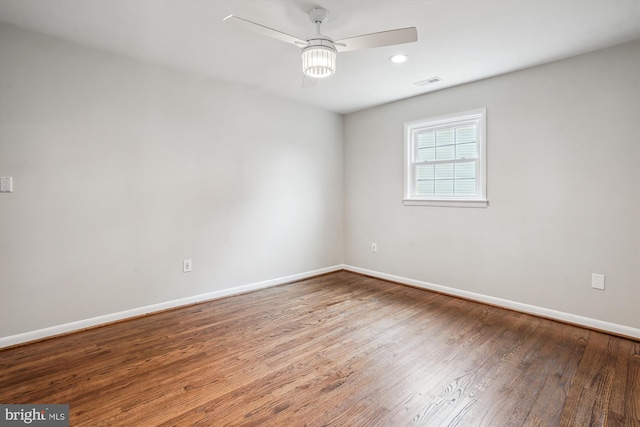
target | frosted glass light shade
[{"x": 318, "y": 61}]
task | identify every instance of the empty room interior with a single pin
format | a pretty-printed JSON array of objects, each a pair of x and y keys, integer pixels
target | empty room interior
[{"x": 295, "y": 213}]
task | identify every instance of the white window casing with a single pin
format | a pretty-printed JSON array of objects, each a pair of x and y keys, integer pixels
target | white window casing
[{"x": 445, "y": 160}]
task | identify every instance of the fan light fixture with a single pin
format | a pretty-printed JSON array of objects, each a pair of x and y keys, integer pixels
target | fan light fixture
[
  {"x": 319, "y": 61},
  {"x": 319, "y": 56}
]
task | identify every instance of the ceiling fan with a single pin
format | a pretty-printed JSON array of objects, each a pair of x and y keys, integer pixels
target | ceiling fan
[{"x": 319, "y": 51}]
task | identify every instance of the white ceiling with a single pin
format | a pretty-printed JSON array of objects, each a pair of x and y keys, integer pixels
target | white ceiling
[{"x": 458, "y": 40}]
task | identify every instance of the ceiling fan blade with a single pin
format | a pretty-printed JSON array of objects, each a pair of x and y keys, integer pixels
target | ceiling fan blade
[
  {"x": 265, "y": 31},
  {"x": 383, "y": 38}
]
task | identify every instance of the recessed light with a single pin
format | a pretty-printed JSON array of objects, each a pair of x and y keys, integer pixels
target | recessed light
[{"x": 398, "y": 59}]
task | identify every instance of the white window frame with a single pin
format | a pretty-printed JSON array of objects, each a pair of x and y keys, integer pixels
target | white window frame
[{"x": 411, "y": 129}]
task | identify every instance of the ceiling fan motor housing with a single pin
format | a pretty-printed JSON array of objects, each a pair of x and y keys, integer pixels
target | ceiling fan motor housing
[{"x": 318, "y": 15}]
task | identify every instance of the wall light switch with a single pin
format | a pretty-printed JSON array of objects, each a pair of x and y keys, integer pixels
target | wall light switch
[
  {"x": 597, "y": 281},
  {"x": 186, "y": 266},
  {"x": 6, "y": 184}
]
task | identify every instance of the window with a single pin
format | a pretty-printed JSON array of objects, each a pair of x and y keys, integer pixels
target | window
[{"x": 445, "y": 160}]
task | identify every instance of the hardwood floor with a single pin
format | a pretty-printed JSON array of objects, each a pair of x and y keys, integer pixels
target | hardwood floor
[{"x": 340, "y": 350}]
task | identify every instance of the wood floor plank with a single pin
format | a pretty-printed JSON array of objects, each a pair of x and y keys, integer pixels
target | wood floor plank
[
  {"x": 336, "y": 350},
  {"x": 413, "y": 365},
  {"x": 552, "y": 368}
]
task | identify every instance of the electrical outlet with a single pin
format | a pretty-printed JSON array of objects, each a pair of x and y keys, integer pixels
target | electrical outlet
[
  {"x": 597, "y": 281},
  {"x": 374, "y": 247},
  {"x": 186, "y": 266},
  {"x": 6, "y": 184}
]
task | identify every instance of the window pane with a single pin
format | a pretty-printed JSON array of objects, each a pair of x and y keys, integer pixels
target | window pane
[
  {"x": 444, "y": 171},
  {"x": 426, "y": 154},
  {"x": 426, "y": 139},
  {"x": 424, "y": 172},
  {"x": 465, "y": 187},
  {"x": 467, "y": 150},
  {"x": 444, "y": 137},
  {"x": 424, "y": 188},
  {"x": 466, "y": 134},
  {"x": 465, "y": 170},
  {"x": 444, "y": 187},
  {"x": 445, "y": 153}
]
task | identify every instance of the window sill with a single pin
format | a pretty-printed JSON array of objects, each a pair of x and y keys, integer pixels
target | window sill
[{"x": 447, "y": 203}]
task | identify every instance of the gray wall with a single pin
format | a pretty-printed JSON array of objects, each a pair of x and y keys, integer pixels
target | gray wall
[
  {"x": 563, "y": 144},
  {"x": 122, "y": 169}
]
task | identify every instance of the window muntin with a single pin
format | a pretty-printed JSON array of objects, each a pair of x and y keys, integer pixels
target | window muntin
[{"x": 445, "y": 158}]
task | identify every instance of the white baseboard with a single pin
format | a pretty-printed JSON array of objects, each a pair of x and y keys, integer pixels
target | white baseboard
[
  {"x": 122, "y": 315},
  {"x": 588, "y": 322}
]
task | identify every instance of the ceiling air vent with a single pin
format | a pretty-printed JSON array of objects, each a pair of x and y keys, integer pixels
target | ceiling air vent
[{"x": 428, "y": 81}]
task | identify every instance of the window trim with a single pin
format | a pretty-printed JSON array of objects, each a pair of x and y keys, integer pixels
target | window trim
[{"x": 410, "y": 129}]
